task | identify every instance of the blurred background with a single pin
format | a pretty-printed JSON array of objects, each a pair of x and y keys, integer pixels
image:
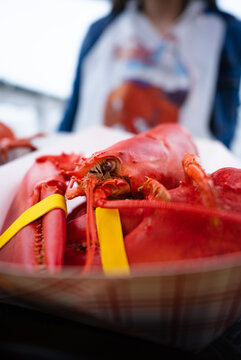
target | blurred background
[{"x": 39, "y": 37}]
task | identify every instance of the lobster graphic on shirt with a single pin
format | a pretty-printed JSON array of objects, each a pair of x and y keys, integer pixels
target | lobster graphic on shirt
[{"x": 138, "y": 104}]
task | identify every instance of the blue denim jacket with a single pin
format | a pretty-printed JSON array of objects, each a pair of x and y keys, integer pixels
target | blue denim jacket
[{"x": 224, "y": 114}]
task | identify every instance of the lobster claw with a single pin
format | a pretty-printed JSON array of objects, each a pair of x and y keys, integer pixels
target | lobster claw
[{"x": 40, "y": 244}]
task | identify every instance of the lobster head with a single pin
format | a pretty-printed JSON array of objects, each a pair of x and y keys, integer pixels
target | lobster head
[
  {"x": 123, "y": 168},
  {"x": 103, "y": 173}
]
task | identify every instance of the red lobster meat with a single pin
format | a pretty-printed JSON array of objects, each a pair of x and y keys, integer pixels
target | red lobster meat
[
  {"x": 39, "y": 245},
  {"x": 9, "y": 141},
  {"x": 199, "y": 218}
]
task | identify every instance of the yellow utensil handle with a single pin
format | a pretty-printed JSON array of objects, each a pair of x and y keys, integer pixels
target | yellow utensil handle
[
  {"x": 33, "y": 213},
  {"x": 112, "y": 247}
]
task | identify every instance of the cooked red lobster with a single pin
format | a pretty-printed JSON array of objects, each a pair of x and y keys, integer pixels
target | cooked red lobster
[
  {"x": 170, "y": 208},
  {"x": 118, "y": 171},
  {"x": 9, "y": 141},
  {"x": 121, "y": 170}
]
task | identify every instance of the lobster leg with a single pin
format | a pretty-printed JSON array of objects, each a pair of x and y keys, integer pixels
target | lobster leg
[{"x": 198, "y": 187}]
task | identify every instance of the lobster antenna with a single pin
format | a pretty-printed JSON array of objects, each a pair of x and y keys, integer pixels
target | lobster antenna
[{"x": 91, "y": 235}]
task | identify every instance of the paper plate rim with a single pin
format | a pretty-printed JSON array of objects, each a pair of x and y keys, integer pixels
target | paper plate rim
[{"x": 180, "y": 267}]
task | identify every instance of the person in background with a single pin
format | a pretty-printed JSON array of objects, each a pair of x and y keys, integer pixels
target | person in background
[{"x": 154, "y": 61}]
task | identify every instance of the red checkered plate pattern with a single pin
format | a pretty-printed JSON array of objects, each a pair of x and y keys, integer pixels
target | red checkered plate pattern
[{"x": 183, "y": 304}]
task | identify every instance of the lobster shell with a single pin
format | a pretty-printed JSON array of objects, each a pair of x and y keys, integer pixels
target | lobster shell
[{"x": 39, "y": 245}]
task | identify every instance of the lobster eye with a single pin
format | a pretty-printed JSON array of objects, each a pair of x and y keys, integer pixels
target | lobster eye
[{"x": 108, "y": 165}]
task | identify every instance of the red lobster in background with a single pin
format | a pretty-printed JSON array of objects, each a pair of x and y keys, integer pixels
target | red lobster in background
[{"x": 9, "y": 141}]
